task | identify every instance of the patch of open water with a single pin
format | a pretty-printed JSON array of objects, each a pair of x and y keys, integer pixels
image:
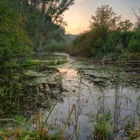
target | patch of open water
[{"x": 90, "y": 100}]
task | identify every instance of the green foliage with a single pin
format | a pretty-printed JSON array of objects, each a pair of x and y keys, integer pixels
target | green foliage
[
  {"x": 108, "y": 36},
  {"x": 55, "y": 47},
  {"x": 13, "y": 41},
  {"x": 19, "y": 118},
  {"x": 43, "y": 20},
  {"x": 134, "y": 42},
  {"x": 56, "y": 62},
  {"x": 1, "y": 90},
  {"x": 20, "y": 20},
  {"x": 81, "y": 45},
  {"x": 30, "y": 62},
  {"x": 40, "y": 133},
  {"x": 105, "y": 19},
  {"x": 93, "y": 41},
  {"x": 117, "y": 41},
  {"x": 134, "y": 45},
  {"x": 102, "y": 127}
]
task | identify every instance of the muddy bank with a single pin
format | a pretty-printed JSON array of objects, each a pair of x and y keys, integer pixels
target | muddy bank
[{"x": 128, "y": 65}]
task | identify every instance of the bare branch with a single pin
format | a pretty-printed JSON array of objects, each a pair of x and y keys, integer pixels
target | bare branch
[{"x": 135, "y": 14}]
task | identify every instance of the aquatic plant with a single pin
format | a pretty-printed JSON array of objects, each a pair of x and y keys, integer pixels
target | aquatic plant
[
  {"x": 102, "y": 128},
  {"x": 135, "y": 134}
]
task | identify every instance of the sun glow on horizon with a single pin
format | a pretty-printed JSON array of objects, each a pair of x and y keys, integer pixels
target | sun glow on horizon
[
  {"x": 75, "y": 29},
  {"x": 79, "y": 15}
]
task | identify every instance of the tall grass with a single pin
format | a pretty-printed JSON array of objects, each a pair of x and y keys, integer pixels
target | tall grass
[
  {"x": 40, "y": 133},
  {"x": 102, "y": 127},
  {"x": 41, "y": 126},
  {"x": 67, "y": 121}
]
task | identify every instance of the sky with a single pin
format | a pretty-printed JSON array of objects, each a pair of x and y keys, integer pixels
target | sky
[{"x": 79, "y": 15}]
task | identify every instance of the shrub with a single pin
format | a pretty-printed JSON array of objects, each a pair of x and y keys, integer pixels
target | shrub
[
  {"x": 134, "y": 45},
  {"x": 55, "y": 47}
]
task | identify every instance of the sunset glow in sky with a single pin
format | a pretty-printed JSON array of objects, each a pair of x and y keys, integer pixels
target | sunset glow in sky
[{"x": 79, "y": 14}]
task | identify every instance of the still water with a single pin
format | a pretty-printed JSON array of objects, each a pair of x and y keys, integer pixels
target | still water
[{"x": 94, "y": 91}]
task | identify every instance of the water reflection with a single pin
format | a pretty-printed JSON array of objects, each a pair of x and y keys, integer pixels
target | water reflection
[{"x": 92, "y": 99}]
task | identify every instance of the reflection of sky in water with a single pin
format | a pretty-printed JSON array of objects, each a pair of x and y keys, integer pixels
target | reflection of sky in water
[{"x": 87, "y": 98}]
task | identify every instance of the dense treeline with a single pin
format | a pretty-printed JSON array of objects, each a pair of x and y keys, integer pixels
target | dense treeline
[
  {"x": 108, "y": 35},
  {"x": 28, "y": 24}
]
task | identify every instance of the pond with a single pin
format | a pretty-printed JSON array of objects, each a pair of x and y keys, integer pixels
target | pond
[
  {"x": 91, "y": 98},
  {"x": 96, "y": 91}
]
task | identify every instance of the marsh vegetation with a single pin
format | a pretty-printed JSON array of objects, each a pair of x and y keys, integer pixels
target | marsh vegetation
[
  {"x": 48, "y": 95},
  {"x": 106, "y": 102}
]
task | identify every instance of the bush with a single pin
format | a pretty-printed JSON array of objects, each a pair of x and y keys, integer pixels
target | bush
[
  {"x": 81, "y": 45},
  {"x": 55, "y": 47},
  {"x": 134, "y": 45}
]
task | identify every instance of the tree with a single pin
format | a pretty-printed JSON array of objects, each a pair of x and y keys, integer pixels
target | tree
[
  {"x": 43, "y": 17},
  {"x": 107, "y": 34},
  {"x": 105, "y": 18},
  {"x": 14, "y": 43},
  {"x": 124, "y": 25},
  {"x": 137, "y": 25}
]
